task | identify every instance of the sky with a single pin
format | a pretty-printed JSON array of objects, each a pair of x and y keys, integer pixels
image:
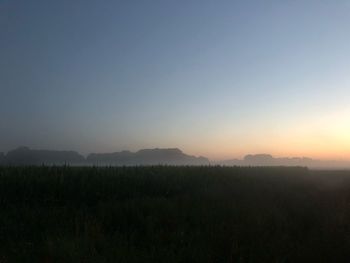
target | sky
[{"x": 215, "y": 78}]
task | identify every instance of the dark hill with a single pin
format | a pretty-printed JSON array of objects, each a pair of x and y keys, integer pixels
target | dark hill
[
  {"x": 156, "y": 156},
  {"x": 269, "y": 160},
  {"x": 26, "y": 156},
  {"x": 259, "y": 159}
]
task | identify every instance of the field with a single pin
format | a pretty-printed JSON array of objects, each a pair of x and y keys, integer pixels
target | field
[{"x": 174, "y": 214}]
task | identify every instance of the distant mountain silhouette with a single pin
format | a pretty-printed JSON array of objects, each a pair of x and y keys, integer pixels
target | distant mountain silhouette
[
  {"x": 269, "y": 160},
  {"x": 172, "y": 156},
  {"x": 259, "y": 159},
  {"x": 26, "y": 156}
]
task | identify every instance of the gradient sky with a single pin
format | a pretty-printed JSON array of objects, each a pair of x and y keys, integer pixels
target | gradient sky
[{"x": 214, "y": 78}]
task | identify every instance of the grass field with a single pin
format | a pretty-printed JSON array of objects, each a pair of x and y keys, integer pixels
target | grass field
[{"x": 174, "y": 214}]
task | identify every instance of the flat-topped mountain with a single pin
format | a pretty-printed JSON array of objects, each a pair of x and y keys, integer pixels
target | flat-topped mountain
[
  {"x": 172, "y": 156},
  {"x": 26, "y": 156}
]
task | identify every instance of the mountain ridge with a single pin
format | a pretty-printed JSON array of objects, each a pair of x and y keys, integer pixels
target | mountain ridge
[
  {"x": 269, "y": 160},
  {"x": 154, "y": 156}
]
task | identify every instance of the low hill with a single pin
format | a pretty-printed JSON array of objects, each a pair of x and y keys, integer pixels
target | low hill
[
  {"x": 171, "y": 156},
  {"x": 269, "y": 160},
  {"x": 27, "y": 156}
]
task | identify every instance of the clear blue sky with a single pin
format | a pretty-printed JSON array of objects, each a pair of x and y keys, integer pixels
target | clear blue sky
[{"x": 217, "y": 78}]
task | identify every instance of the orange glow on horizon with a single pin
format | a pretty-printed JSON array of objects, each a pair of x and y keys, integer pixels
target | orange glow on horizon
[{"x": 325, "y": 137}]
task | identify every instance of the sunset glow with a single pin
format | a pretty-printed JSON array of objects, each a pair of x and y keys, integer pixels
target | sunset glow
[{"x": 223, "y": 80}]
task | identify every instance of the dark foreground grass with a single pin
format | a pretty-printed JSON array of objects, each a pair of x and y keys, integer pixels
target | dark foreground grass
[{"x": 173, "y": 214}]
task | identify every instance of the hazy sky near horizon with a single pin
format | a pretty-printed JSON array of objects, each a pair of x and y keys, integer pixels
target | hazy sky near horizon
[{"x": 214, "y": 78}]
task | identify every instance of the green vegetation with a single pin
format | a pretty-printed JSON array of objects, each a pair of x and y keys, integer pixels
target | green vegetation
[{"x": 173, "y": 214}]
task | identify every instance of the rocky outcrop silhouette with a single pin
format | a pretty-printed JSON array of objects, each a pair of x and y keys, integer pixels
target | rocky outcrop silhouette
[
  {"x": 26, "y": 156},
  {"x": 172, "y": 156}
]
